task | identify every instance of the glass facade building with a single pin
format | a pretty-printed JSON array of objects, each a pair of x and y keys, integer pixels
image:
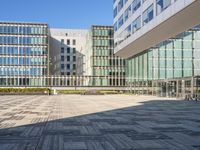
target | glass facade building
[
  {"x": 106, "y": 68},
  {"x": 141, "y": 24},
  {"x": 169, "y": 68},
  {"x": 23, "y": 54}
]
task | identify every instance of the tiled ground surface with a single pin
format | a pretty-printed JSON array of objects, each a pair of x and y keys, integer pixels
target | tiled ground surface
[{"x": 98, "y": 123}]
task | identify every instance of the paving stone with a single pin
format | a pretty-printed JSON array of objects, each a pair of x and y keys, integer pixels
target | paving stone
[{"x": 110, "y": 122}]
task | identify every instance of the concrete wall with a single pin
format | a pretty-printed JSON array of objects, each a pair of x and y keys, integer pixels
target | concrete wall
[{"x": 55, "y": 50}]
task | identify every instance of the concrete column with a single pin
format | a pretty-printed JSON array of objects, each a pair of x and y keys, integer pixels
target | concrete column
[
  {"x": 157, "y": 89},
  {"x": 167, "y": 89},
  {"x": 192, "y": 85},
  {"x": 177, "y": 89},
  {"x": 183, "y": 88}
]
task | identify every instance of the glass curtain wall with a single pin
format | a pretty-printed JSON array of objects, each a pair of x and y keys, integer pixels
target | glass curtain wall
[
  {"x": 109, "y": 68},
  {"x": 23, "y": 53},
  {"x": 172, "y": 60}
]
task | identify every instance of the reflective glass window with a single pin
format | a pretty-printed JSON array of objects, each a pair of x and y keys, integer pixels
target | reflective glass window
[
  {"x": 162, "y": 5},
  {"x": 136, "y": 25},
  {"x": 135, "y": 5},
  {"x": 147, "y": 15}
]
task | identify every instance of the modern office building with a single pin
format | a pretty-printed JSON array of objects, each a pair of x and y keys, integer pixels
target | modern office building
[
  {"x": 171, "y": 68},
  {"x": 102, "y": 65},
  {"x": 141, "y": 24},
  {"x": 161, "y": 43},
  {"x": 24, "y": 54},
  {"x": 32, "y": 55}
]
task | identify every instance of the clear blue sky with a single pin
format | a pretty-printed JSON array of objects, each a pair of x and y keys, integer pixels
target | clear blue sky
[{"x": 58, "y": 13}]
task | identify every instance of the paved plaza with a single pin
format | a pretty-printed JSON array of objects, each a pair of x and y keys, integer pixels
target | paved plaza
[{"x": 112, "y": 122}]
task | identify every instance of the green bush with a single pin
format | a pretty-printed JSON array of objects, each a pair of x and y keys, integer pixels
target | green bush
[
  {"x": 70, "y": 91},
  {"x": 23, "y": 90},
  {"x": 108, "y": 91}
]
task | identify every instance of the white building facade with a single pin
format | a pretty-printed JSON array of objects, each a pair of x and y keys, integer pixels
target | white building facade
[
  {"x": 66, "y": 48},
  {"x": 141, "y": 24}
]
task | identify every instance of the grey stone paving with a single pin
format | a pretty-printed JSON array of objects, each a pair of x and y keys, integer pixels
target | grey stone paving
[{"x": 114, "y": 122}]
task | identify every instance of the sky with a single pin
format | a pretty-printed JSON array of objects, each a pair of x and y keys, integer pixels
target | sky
[{"x": 75, "y": 14}]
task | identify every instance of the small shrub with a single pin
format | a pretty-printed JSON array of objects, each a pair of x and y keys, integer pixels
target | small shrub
[
  {"x": 70, "y": 91},
  {"x": 108, "y": 91}
]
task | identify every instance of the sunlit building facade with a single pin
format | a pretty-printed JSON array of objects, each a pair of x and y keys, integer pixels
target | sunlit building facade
[
  {"x": 24, "y": 54},
  {"x": 101, "y": 62},
  {"x": 171, "y": 68},
  {"x": 33, "y": 55},
  {"x": 160, "y": 40},
  {"x": 141, "y": 24}
]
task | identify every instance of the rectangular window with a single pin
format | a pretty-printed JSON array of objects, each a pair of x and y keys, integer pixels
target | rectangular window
[
  {"x": 120, "y": 21},
  {"x": 74, "y": 50},
  {"x": 74, "y": 66},
  {"x": 147, "y": 15},
  {"x": 128, "y": 31},
  {"x": 74, "y": 42},
  {"x": 68, "y": 50},
  {"x": 115, "y": 12},
  {"x": 74, "y": 58},
  {"x": 62, "y": 50},
  {"x": 1, "y": 29},
  {"x": 115, "y": 26},
  {"x": 68, "y": 66},
  {"x": 68, "y": 42},
  {"x": 62, "y": 41},
  {"x": 136, "y": 25},
  {"x": 62, "y": 66},
  {"x": 68, "y": 58},
  {"x": 62, "y": 58},
  {"x": 162, "y": 5},
  {"x": 127, "y": 13},
  {"x": 120, "y": 5},
  {"x": 135, "y": 5}
]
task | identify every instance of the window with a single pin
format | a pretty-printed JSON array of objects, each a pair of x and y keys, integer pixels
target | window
[
  {"x": 115, "y": 26},
  {"x": 68, "y": 50},
  {"x": 74, "y": 50},
  {"x": 115, "y": 12},
  {"x": 68, "y": 66},
  {"x": 68, "y": 58},
  {"x": 74, "y": 58},
  {"x": 1, "y": 29},
  {"x": 74, "y": 42},
  {"x": 162, "y": 5},
  {"x": 62, "y": 50},
  {"x": 135, "y": 5},
  {"x": 127, "y": 13},
  {"x": 128, "y": 31},
  {"x": 68, "y": 42},
  {"x": 120, "y": 5},
  {"x": 68, "y": 73},
  {"x": 74, "y": 66},
  {"x": 62, "y": 66},
  {"x": 120, "y": 21},
  {"x": 148, "y": 15},
  {"x": 136, "y": 25},
  {"x": 62, "y": 41},
  {"x": 62, "y": 58}
]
